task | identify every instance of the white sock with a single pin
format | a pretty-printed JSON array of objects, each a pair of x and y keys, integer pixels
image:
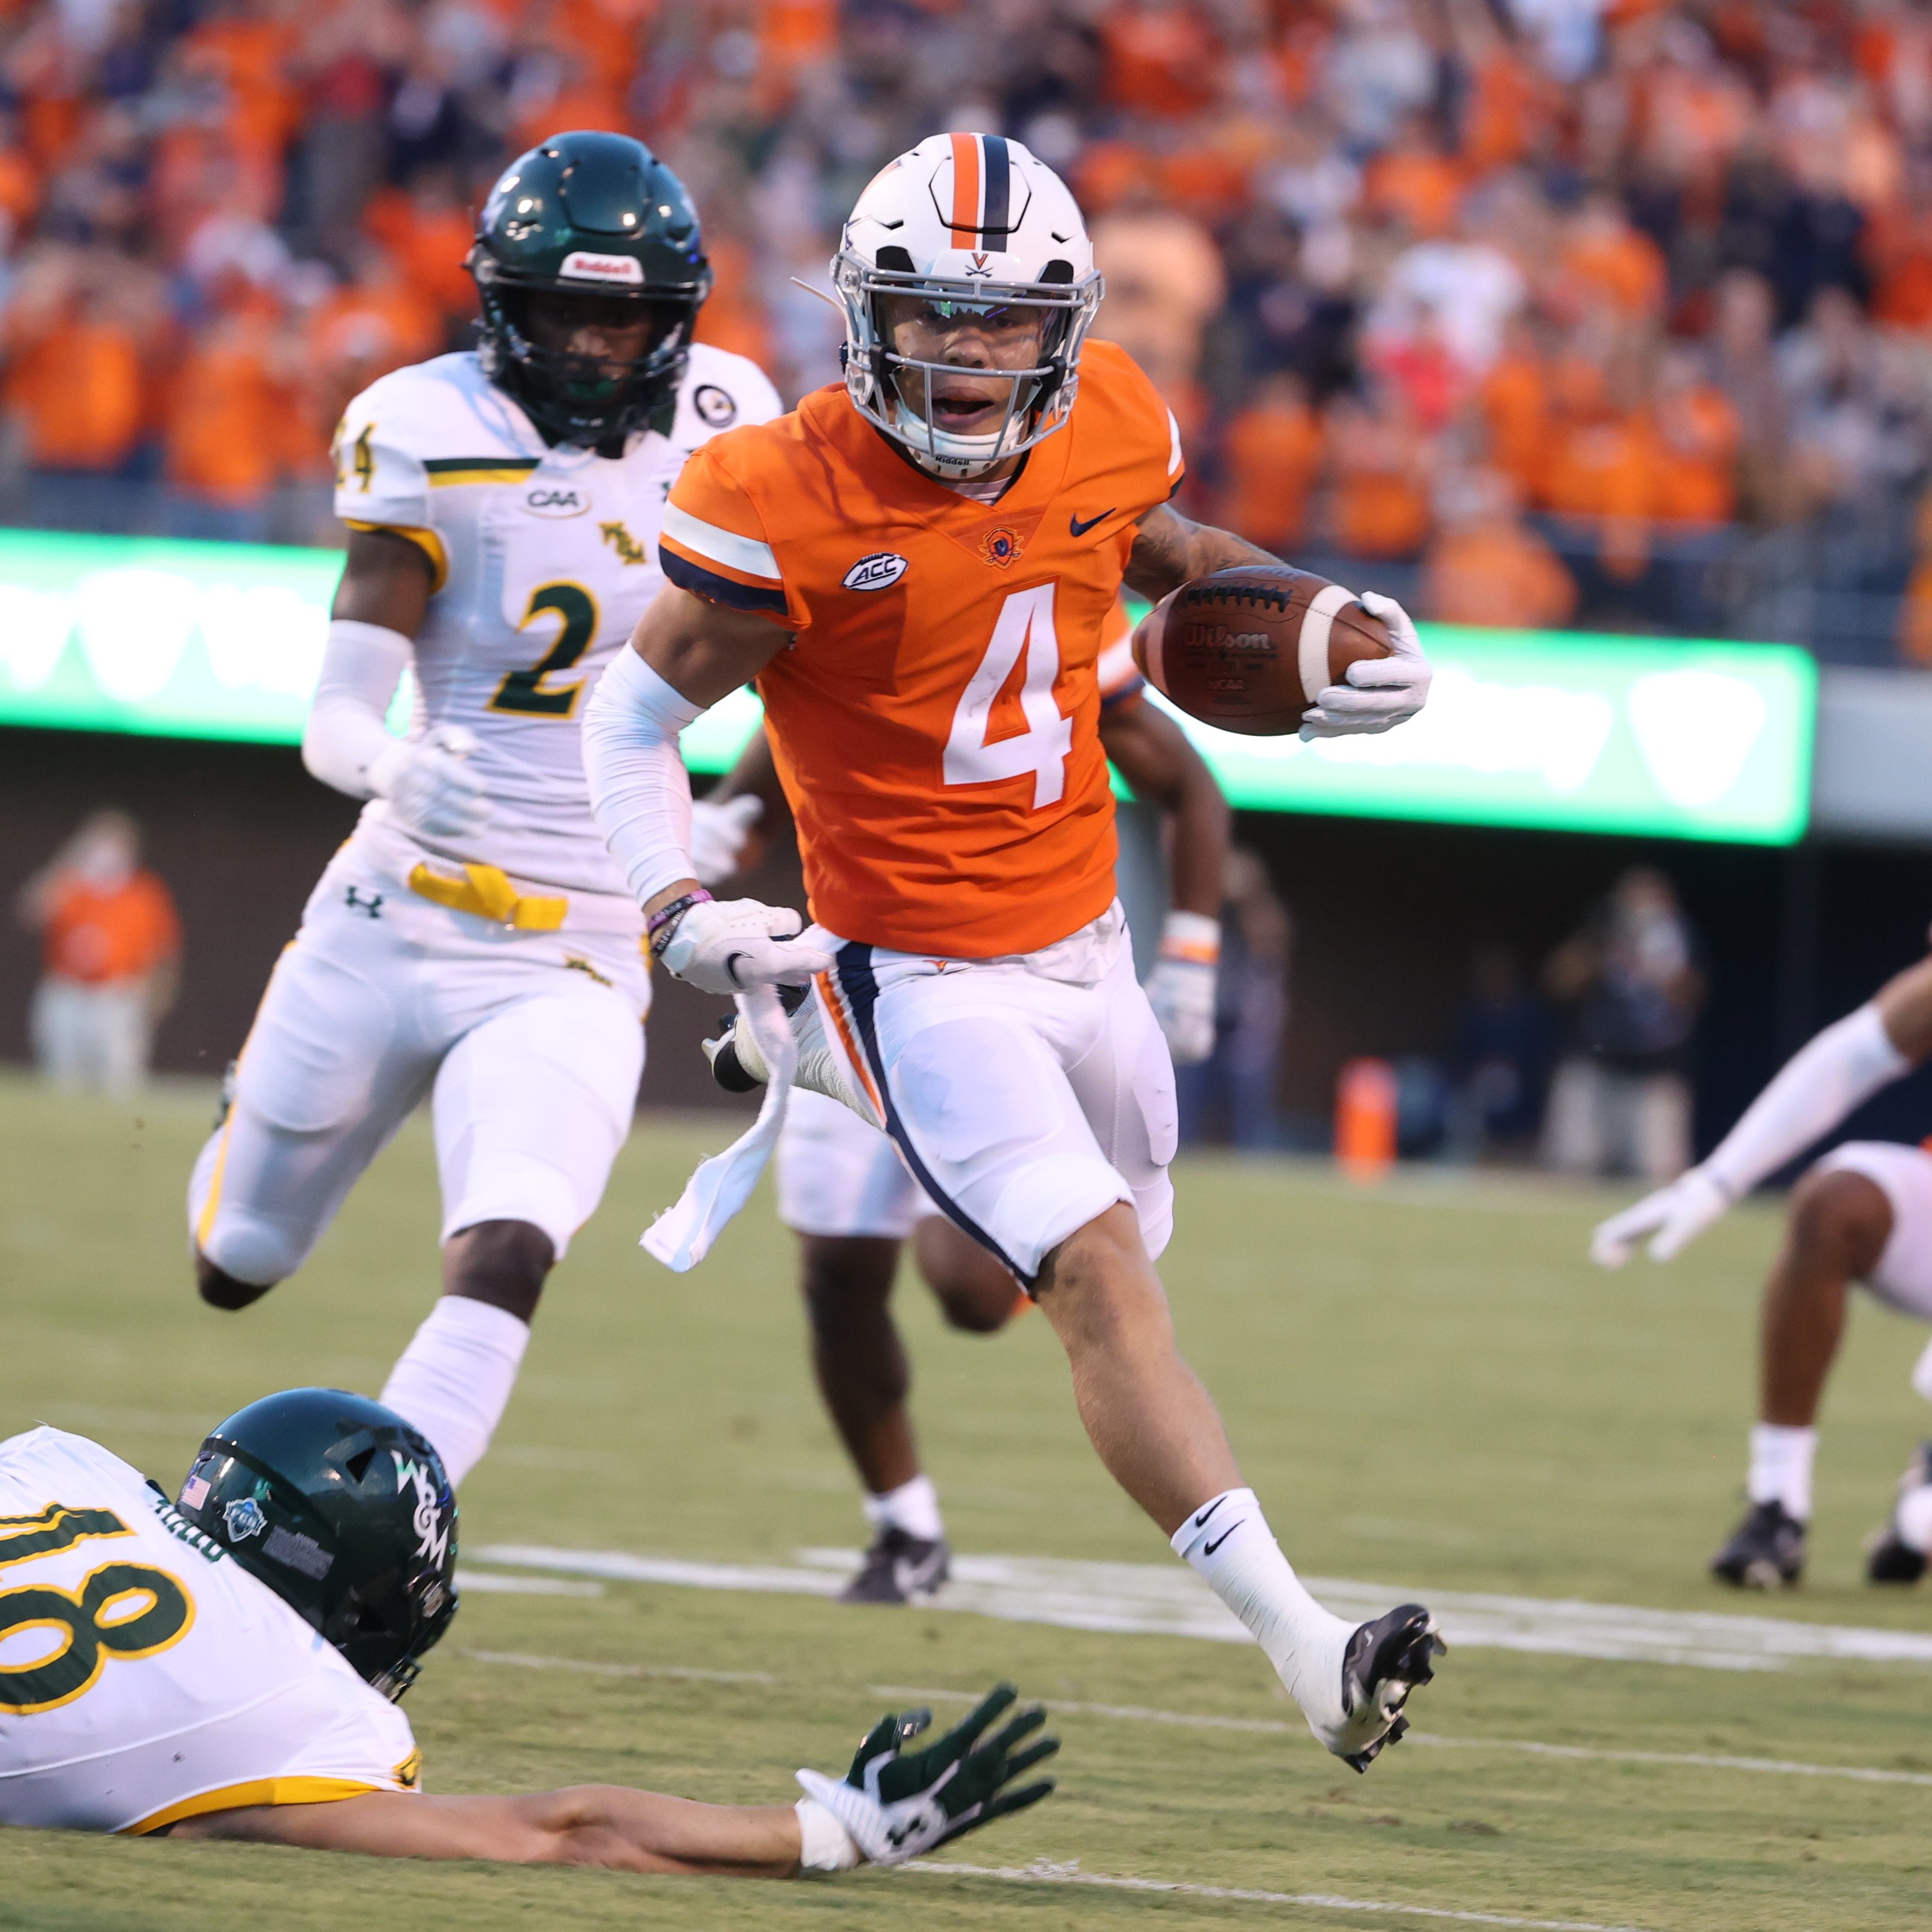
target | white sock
[
  {"x": 912, "y": 1507},
  {"x": 1913, "y": 1517},
  {"x": 1781, "y": 1467},
  {"x": 453, "y": 1379},
  {"x": 1228, "y": 1544}
]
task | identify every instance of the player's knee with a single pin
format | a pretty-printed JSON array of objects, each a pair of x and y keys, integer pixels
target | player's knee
[
  {"x": 976, "y": 1294},
  {"x": 846, "y": 1279},
  {"x": 1840, "y": 1221},
  {"x": 504, "y": 1263}
]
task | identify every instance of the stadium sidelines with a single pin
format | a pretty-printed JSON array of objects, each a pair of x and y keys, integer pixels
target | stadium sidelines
[
  {"x": 1137, "y": 1714},
  {"x": 1044, "y": 1873},
  {"x": 1167, "y": 1601}
]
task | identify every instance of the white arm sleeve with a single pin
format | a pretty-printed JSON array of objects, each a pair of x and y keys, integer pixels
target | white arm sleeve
[
  {"x": 640, "y": 791},
  {"x": 347, "y": 732},
  {"x": 1843, "y": 1067}
]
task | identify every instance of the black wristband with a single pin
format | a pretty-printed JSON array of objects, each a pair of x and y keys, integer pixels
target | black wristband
[{"x": 663, "y": 923}]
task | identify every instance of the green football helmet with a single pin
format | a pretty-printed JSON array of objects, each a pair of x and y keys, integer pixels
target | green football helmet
[
  {"x": 597, "y": 216},
  {"x": 343, "y": 1510}
]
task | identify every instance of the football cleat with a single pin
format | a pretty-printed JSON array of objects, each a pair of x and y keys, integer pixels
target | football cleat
[
  {"x": 1766, "y": 1551},
  {"x": 899, "y": 1568},
  {"x": 1384, "y": 1661},
  {"x": 738, "y": 1067},
  {"x": 1889, "y": 1558}
]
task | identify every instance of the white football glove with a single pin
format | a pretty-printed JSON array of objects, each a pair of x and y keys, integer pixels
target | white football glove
[
  {"x": 1674, "y": 1217},
  {"x": 429, "y": 784},
  {"x": 728, "y": 945},
  {"x": 1379, "y": 693},
  {"x": 1181, "y": 992},
  {"x": 718, "y": 836},
  {"x": 897, "y": 1804}
]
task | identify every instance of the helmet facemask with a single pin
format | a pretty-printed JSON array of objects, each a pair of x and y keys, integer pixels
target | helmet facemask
[
  {"x": 896, "y": 392},
  {"x": 596, "y": 401}
]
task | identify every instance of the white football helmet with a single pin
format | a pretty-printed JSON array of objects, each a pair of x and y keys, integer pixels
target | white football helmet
[{"x": 972, "y": 221}]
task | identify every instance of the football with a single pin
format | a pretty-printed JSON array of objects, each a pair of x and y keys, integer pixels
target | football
[{"x": 1249, "y": 648}]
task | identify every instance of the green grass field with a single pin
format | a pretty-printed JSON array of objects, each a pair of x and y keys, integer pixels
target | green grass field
[{"x": 1427, "y": 1382}]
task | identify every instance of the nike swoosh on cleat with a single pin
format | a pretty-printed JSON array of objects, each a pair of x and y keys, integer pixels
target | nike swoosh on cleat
[
  {"x": 1209, "y": 1511},
  {"x": 1208, "y": 1549},
  {"x": 1080, "y": 529}
]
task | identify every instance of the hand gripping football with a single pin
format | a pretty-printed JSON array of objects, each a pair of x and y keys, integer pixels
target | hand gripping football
[{"x": 1251, "y": 648}]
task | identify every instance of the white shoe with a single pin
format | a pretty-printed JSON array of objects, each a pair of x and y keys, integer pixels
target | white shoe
[{"x": 738, "y": 1066}]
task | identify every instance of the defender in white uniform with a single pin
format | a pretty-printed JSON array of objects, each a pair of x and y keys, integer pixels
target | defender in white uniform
[
  {"x": 1863, "y": 1214},
  {"x": 227, "y": 1667},
  {"x": 473, "y": 943}
]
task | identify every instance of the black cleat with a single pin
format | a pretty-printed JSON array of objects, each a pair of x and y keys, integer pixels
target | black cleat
[
  {"x": 1766, "y": 1551},
  {"x": 1384, "y": 1661},
  {"x": 899, "y": 1569},
  {"x": 1889, "y": 1558}
]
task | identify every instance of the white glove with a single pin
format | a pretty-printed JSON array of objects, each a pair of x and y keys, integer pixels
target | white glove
[
  {"x": 1379, "y": 693},
  {"x": 429, "y": 784},
  {"x": 729, "y": 945},
  {"x": 1675, "y": 1216},
  {"x": 1180, "y": 988},
  {"x": 718, "y": 836}
]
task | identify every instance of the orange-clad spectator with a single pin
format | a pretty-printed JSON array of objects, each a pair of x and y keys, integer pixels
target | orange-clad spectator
[
  {"x": 429, "y": 229},
  {"x": 1161, "y": 58},
  {"x": 582, "y": 97},
  {"x": 246, "y": 50},
  {"x": 1514, "y": 399},
  {"x": 19, "y": 187},
  {"x": 1915, "y": 611},
  {"x": 1380, "y": 507},
  {"x": 377, "y": 323},
  {"x": 1271, "y": 453},
  {"x": 1486, "y": 566},
  {"x": 111, "y": 948},
  {"x": 1697, "y": 439},
  {"x": 226, "y": 440},
  {"x": 1414, "y": 182},
  {"x": 75, "y": 376},
  {"x": 1508, "y": 111},
  {"x": 1897, "y": 244},
  {"x": 733, "y": 317},
  {"x": 1605, "y": 260},
  {"x": 1603, "y": 458},
  {"x": 1165, "y": 283}
]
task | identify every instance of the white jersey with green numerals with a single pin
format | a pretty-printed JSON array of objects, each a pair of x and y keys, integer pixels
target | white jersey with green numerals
[
  {"x": 146, "y": 1676},
  {"x": 543, "y": 560}
]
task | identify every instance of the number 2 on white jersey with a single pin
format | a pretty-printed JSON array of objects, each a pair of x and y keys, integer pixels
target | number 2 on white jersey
[{"x": 1025, "y": 623}]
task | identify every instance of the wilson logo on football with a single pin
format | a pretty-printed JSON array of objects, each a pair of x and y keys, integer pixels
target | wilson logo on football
[
  {"x": 879, "y": 572},
  {"x": 583, "y": 264}
]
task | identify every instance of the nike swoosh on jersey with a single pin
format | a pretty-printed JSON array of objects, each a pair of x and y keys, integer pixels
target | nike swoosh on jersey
[{"x": 1080, "y": 529}]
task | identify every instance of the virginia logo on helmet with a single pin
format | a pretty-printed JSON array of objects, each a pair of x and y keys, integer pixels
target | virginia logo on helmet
[{"x": 975, "y": 227}]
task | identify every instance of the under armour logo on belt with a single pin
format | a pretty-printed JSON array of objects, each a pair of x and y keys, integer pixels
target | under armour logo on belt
[{"x": 372, "y": 907}]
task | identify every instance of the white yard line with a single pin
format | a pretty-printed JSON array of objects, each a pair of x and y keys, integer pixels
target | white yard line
[
  {"x": 488, "y": 1584},
  {"x": 1041, "y": 1873},
  {"x": 1167, "y": 1600},
  {"x": 684, "y": 1673}
]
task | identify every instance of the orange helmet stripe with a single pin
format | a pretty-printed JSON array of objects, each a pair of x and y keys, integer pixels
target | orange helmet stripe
[{"x": 966, "y": 184}]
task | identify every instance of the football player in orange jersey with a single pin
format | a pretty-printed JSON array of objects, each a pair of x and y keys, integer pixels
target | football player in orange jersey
[
  {"x": 916, "y": 565},
  {"x": 844, "y": 1190}
]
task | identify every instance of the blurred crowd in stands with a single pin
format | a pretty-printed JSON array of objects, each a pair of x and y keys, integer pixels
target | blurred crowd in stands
[{"x": 1539, "y": 311}]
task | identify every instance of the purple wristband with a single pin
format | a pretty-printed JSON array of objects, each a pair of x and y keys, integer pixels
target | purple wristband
[{"x": 659, "y": 928}]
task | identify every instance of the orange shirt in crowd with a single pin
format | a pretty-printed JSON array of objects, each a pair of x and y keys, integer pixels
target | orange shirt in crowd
[
  {"x": 1507, "y": 112},
  {"x": 227, "y": 426},
  {"x": 1270, "y": 455},
  {"x": 79, "y": 389},
  {"x": 1158, "y": 60},
  {"x": 19, "y": 187},
  {"x": 1616, "y": 263},
  {"x": 1915, "y": 618},
  {"x": 1496, "y": 573},
  {"x": 733, "y": 317},
  {"x": 1421, "y": 189},
  {"x": 1514, "y": 398},
  {"x": 100, "y": 937},
  {"x": 429, "y": 242},
  {"x": 1602, "y": 468},
  {"x": 1696, "y": 448}
]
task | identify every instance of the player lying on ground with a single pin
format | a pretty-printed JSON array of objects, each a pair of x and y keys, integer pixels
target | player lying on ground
[
  {"x": 917, "y": 566},
  {"x": 1863, "y": 1214},
  {"x": 227, "y": 1666},
  {"x": 472, "y": 942},
  {"x": 843, "y": 1190}
]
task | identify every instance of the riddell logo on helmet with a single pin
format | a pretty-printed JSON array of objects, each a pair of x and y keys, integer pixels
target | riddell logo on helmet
[{"x": 585, "y": 266}]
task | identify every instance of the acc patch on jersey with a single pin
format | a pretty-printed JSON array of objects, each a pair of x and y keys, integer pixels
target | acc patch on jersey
[
  {"x": 880, "y": 571},
  {"x": 713, "y": 406}
]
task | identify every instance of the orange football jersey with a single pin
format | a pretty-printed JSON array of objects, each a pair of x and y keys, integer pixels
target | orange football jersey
[{"x": 935, "y": 721}]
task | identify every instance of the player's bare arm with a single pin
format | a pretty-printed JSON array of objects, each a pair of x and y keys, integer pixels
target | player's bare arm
[
  {"x": 1169, "y": 549},
  {"x": 388, "y": 580},
  {"x": 1153, "y": 754},
  {"x": 1904, "y": 1004},
  {"x": 583, "y": 1824}
]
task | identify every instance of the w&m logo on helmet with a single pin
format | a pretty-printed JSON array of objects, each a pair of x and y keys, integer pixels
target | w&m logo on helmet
[{"x": 432, "y": 1534}]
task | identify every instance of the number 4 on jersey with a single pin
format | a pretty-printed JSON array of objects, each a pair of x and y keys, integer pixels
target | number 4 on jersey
[{"x": 1025, "y": 623}]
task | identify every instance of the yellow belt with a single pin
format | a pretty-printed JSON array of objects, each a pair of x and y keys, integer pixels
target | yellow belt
[{"x": 488, "y": 893}]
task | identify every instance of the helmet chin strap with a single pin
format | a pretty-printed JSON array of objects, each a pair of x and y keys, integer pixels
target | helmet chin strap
[{"x": 941, "y": 454}]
